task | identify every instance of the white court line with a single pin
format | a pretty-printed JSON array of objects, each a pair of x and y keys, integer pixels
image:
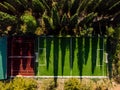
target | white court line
[{"x": 63, "y": 77}]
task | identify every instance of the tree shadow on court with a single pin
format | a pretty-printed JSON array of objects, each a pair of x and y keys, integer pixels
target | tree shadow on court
[
  {"x": 64, "y": 44},
  {"x": 56, "y": 55},
  {"x": 63, "y": 50},
  {"x": 87, "y": 48},
  {"x": 101, "y": 51},
  {"x": 94, "y": 52},
  {"x": 111, "y": 48},
  {"x": 80, "y": 55},
  {"x": 41, "y": 44},
  {"x": 72, "y": 49},
  {"x": 48, "y": 49}
]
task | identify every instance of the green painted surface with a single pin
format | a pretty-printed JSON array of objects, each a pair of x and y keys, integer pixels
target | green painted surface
[
  {"x": 3, "y": 57},
  {"x": 66, "y": 56}
]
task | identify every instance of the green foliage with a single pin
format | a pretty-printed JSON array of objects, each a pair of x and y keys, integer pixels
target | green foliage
[
  {"x": 19, "y": 83},
  {"x": 115, "y": 42},
  {"x": 77, "y": 84},
  {"x": 2, "y": 6},
  {"x": 2, "y": 86},
  {"x": 87, "y": 84},
  {"x": 72, "y": 84},
  {"x": 7, "y": 22},
  {"x": 64, "y": 20},
  {"x": 73, "y": 21},
  {"x": 62, "y": 12},
  {"x": 55, "y": 17},
  {"x": 12, "y": 8},
  {"x": 29, "y": 21},
  {"x": 88, "y": 18},
  {"x": 74, "y": 7},
  {"x": 38, "y": 6},
  {"x": 7, "y": 19},
  {"x": 110, "y": 31},
  {"x": 66, "y": 6},
  {"x": 48, "y": 23}
]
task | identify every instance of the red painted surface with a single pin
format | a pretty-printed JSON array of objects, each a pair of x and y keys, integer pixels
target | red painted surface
[{"x": 21, "y": 56}]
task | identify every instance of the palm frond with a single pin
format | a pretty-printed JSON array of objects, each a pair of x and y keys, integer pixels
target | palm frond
[
  {"x": 38, "y": 6},
  {"x": 55, "y": 17},
  {"x": 88, "y": 18},
  {"x": 114, "y": 5},
  {"x": 2, "y": 6},
  {"x": 66, "y": 6},
  {"x": 48, "y": 23},
  {"x": 45, "y": 4},
  {"x": 11, "y": 8},
  {"x": 64, "y": 20},
  {"x": 73, "y": 21},
  {"x": 74, "y": 7},
  {"x": 24, "y": 3}
]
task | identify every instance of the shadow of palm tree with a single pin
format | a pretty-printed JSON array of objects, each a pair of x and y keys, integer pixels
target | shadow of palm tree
[
  {"x": 48, "y": 49},
  {"x": 72, "y": 49},
  {"x": 94, "y": 52},
  {"x": 56, "y": 55},
  {"x": 80, "y": 55},
  {"x": 87, "y": 48}
]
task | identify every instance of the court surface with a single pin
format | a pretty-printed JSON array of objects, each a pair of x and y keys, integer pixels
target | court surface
[{"x": 71, "y": 56}]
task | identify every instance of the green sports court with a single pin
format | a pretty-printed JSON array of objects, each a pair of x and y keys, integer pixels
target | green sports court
[{"x": 71, "y": 56}]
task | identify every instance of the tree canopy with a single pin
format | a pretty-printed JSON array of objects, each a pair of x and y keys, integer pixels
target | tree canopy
[{"x": 59, "y": 17}]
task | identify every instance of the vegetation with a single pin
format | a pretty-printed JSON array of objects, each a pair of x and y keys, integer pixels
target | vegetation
[
  {"x": 115, "y": 53},
  {"x": 52, "y": 17},
  {"x": 65, "y": 17},
  {"x": 19, "y": 83}
]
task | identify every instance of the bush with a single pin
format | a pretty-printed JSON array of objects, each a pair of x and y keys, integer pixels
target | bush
[
  {"x": 87, "y": 84},
  {"x": 2, "y": 85},
  {"x": 19, "y": 83},
  {"x": 72, "y": 84},
  {"x": 29, "y": 23}
]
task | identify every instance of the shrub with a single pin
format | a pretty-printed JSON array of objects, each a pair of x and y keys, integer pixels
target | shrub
[
  {"x": 29, "y": 23},
  {"x": 87, "y": 84},
  {"x": 72, "y": 84},
  {"x": 19, "y": 83},
  {"x": 2, "y": 85},
  {"x": 24, "y": 83}
]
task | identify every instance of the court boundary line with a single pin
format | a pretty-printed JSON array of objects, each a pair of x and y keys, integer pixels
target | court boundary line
[{"x": 62, "y": 77}]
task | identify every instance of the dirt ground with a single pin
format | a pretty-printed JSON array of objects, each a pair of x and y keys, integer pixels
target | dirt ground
[
  {"x": 47, "y": 82},
  {"x": 117, "y": 87}
]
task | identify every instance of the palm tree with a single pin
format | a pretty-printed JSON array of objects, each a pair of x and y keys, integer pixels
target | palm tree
[
  {"x": 64, "y": 16},
  {"x": 18, "y": 8}
]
